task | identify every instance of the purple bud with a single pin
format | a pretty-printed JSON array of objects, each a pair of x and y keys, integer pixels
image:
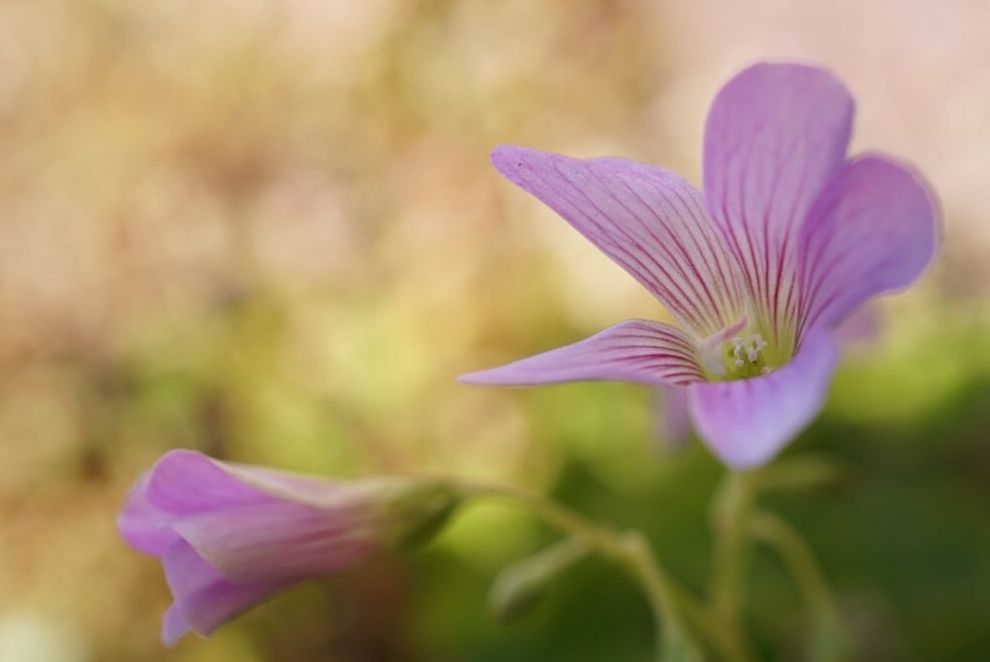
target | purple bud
[{"x": 230, "y": 536}]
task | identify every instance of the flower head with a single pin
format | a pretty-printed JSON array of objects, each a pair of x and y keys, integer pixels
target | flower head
[
  {"x": 789, "y": 237},
  {"x": 229, "y": 536}
]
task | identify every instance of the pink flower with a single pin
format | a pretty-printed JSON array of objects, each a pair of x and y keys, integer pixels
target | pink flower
[
  {"x": 230, "y": 536},
  {"x": 789, "y": 238}
]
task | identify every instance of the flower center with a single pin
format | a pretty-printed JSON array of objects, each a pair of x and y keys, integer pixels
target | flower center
[
  {"x": 744, "y": 357},
  {"x": 740, "y": 352}
]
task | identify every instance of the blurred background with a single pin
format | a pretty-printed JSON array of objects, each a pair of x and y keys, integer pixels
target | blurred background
[{"x": 269, "y": 231}]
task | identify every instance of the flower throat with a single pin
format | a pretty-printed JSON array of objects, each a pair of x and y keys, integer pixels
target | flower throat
[
  {"x": 744, "y": 357},
  {"x": 740, "y": 352}
]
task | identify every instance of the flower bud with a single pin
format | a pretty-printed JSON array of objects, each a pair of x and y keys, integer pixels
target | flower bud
[
  {"x": 230, "y": 536},
  {"x": 521, "y": 586}
]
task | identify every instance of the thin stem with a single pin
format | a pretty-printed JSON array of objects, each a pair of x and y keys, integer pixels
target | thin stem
[
  {"x": 830, "y": 641},
  {"x": 677, "y": 644},
  {"x": 731, "y": 526},
  {"x": 519, "y": 585},
  {"x": 632, "y": 552}
]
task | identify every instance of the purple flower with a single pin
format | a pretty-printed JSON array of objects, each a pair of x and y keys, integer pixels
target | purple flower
[
  {"x": 856, "y": 335},
  {"x": 789, "y": 238},
  {"x": 230, "y": 536}
]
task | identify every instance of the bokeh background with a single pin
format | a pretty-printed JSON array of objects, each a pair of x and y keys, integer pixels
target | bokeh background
[{"x": 268, "y": 230}]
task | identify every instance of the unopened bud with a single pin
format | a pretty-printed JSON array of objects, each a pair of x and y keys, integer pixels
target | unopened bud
[{"x": 521, "y": 586}]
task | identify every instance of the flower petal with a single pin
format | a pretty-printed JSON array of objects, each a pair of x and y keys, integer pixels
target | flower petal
[
  {"x": 861, "y": 330},
  {"x": 650, "y": 221},
  {"x": 181, "y": 482},
  {"x": 632, "y": 351},
  {"x": 776, "y": 135},
  {"x": 672, "y": 417},
  {"x": 746, "y": 422},
  {"x": 143, "y": 525},
  {"x": 280, "y": 541},
  {"x": 174, "y": 625},
  {"x": 204, "y": 600},
  {"x": 184, "y": 482},
  {"x": 874, "y": 230},
  {"x": 251, "y": 523}
]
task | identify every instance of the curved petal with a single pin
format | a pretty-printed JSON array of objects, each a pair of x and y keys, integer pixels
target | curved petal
[
  {"x": 860, "y": 330},
  {"x": 174, "y": 625},
  {"x": 250, "y": 523},
  {"x": 632, "y": 351},
  {"x": 142, "y": 525},
  {"x": 279, "y": 541},
  {"x": 874, "y": 230},
  {"x": 182, "y": 482},
  {"x": 775, "y": 136},
  {"x": 204, "y": 600},
  {"x": 746, "y": 422},
  {"x": 650, "y": 221}
]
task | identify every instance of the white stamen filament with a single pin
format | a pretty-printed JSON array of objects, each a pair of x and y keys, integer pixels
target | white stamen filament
[
  {"x": 730, "y": 356},
  {"x": 746, "y": 351}
]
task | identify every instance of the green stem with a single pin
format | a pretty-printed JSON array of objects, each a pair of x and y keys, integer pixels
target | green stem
[
  {"x": 518, "y": 586},
  {"x": 631, "y": 551},
  {"x": 677, "y": 644},
  {"x": 731, "y": 525},
  {"x": 830, "y": 641}
]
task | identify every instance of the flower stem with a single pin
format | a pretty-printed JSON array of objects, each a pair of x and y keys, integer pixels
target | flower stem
[
  {"x": 518, "y": 586},
  {"x": 730, "y": 521},
  {"x": 829, "y": 641},
  {"x": 631, "y": 551},
  {"x": 677, "y": 644}
]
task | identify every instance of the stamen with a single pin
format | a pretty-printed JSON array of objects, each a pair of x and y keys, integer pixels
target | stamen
[
  {"x": 732, "y": 353},
  {"x": 743, "y": 357}
]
